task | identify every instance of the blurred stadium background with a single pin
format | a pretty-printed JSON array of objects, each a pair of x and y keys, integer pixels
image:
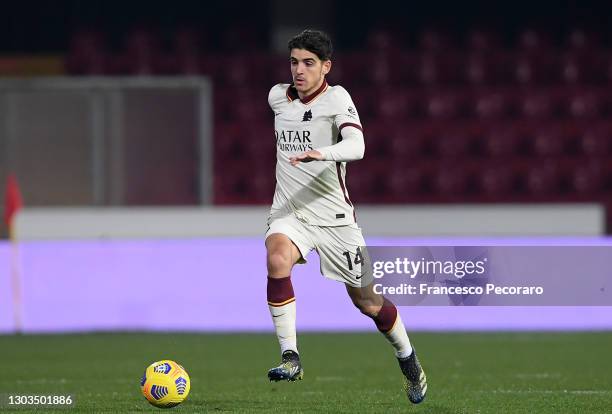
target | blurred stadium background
[
  {"x": 141, "y": 140},
  {"x": 515, "y": 98},
  {"x": 135, "y": 121}
]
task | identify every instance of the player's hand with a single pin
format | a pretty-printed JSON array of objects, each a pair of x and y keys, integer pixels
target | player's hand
[{"x": 307, "y": 156}]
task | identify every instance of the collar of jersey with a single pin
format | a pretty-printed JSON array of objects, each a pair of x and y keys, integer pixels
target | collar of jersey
[{"x": 292, "y": 93}]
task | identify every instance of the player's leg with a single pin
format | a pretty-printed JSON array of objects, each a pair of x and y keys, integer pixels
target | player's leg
[
  {"x": 344, "y": 258},
  {"x": 389, "y": 323},
  {"x": 384, "y": 314},
  {"x": 282, "y": 255}
]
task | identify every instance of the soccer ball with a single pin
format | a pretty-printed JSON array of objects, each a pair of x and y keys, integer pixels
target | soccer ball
[{"x": 165, "y": 384}]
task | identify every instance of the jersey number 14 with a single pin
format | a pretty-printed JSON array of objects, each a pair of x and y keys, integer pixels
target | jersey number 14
[{"x": 358, "y": 258}]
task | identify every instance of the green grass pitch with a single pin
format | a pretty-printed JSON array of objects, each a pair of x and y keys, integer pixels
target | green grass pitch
[{"x": 344, "y": 373}]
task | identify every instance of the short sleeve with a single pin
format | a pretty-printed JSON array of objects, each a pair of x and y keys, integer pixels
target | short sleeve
[{"x": 277, "y": 95}]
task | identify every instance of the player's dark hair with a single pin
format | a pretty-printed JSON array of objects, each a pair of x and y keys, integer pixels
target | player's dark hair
[{"x": 314, "y": 41}]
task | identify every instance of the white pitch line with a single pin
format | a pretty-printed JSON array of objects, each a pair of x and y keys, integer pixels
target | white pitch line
[
  {"x": 573, "y": 392},
  {"x": 330, "y": 379},
  {"x": 540, "y": 375},
  {"x": 43, "y": 381}
]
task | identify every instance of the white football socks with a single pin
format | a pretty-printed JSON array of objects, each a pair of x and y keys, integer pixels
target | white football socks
[
  {"x": 398, "y": 338},
  {"x": 284, "y": 321}
]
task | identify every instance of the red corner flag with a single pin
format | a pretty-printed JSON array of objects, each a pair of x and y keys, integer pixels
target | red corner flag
[{"x": 12, "y": 200}]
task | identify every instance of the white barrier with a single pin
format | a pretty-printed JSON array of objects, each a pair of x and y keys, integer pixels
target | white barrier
[{"x": 393, "y": 221}]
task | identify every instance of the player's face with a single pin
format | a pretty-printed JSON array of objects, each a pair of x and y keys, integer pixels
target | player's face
[{"x": 308, "y": 71}]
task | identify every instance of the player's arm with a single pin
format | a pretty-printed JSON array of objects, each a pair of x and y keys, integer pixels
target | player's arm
[{"x": 351, "y": 148}]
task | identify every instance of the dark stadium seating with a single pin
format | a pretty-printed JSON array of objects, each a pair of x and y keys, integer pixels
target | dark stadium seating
[
  {"x": 403, "y": 144},
  {"x": 478, "y": 118},
  {"x": 580, "y": 40},
  {"x": 596, "y": 140},
  {"x": 497, "y": 180},
  {"x": 406, "y": 180},
  {"x": 493, "y": 104},
  {"x": 482, "y": 41},
  {"x": 433, "y": 40},
  {"x": 543, "y": 178},
  {"x": 436, "y": 68},
  {"x": 392, "y": 104},
  {"x": 588, "y": 177},
  {"x": 484, "y": 67},
  {"x": 549, "y": 140},
  {"x": 540, "y": 104},
  {"x": 450, "y": 179},
  {"x": 534, "y": 41},
  {"x": 452, "y": 141},
  {"x": 503, "y": 140},
  {"x": 88, "y": 54}
]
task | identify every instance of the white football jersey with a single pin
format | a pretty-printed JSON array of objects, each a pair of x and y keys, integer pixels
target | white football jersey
[{"x": 314, "y": 191}]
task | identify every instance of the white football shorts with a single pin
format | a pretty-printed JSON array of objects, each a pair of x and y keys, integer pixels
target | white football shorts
[{"x": 341, "y": 249}]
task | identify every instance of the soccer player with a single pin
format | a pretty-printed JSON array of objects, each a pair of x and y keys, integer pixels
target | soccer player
[{"x": 317, "y": 132}]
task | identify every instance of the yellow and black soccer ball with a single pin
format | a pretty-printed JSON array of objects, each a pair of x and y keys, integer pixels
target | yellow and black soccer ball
[{"x": 165, "y": 384}]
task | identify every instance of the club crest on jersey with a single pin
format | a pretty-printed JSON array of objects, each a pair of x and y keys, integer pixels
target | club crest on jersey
[
  {"x": 352, "y": 110},
  {"x": 307, "y": 116}
]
